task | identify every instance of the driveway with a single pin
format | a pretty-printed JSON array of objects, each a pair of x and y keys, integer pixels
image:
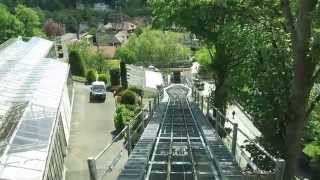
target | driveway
[{"x": 91, "y": 131}]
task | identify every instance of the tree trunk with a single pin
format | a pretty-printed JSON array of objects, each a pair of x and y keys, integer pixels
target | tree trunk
[
  {"x": 299, "y": 27},
  {"x": 222, "y": 80}
]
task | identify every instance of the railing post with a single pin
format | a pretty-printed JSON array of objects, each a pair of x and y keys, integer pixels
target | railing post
[
  {"x": 234, "y": 139},
  {"x": 150, "y": 109},
  {"x": 141, "y": 116},
  {"x": 280, "y": 167},
  {"x": 217, "y": 120},
  {"x": 208, "y": 107},
  {"x": 92, "y": 168},
  {"x": 198, "y": 98},
  {"x": 202, "y": 104},
  {"x": 129, "y": 139}
]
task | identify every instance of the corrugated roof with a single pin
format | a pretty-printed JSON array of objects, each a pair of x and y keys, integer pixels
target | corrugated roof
[{"x": 32, "y": 86}]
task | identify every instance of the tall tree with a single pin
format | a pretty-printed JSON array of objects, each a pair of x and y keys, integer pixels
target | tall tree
[
  {"x": 30, "y": 20},
  {"x": 10, "y": 25},
  {"x": 301, "y": 23},
  {"x": 207, "y": 20}
]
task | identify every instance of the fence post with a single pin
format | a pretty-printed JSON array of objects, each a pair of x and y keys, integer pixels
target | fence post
[
  {"x": 208, "y": 107},
  {"x": 150, "y": 109},
  {"x": 129, "y": 139},
  {"x": 202, "y": 104},
  {"x": 141, "y": 116},
  {"x": 280, "y": 167},
  {"x": 92, "y": 168},
  {"x": 234, "y": 138},
  {"x": 217, "y": 120}
]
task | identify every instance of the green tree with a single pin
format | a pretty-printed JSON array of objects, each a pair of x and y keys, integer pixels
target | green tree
[
  {"x": 154, "y": 47},
  {"x": 76, "y": 64},
  {"x": 205, "y": 19},
  {"x": 30, "y": 20},
  {"x": 10, "y": 25}
]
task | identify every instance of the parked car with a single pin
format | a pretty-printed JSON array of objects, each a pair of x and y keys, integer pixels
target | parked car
[{"x": 98, "y": 91}]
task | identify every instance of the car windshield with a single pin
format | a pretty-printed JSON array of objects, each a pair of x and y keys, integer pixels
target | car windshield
[{"x": 98, "y": 88}]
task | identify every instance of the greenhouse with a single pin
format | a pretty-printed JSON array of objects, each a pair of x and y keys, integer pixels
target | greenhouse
[{"x": 35, "y": 110}]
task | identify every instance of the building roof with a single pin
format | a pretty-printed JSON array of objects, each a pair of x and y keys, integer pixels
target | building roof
[
  {"x": 121, "y": 37},
  {"x": 30, "y": 93}
]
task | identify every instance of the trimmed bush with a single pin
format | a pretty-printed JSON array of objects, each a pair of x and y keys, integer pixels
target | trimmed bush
[
  {"x": 123, "y": 116},
  {"x": 91, "y": 76},
  {"x": 129, "y": 97},
  {"x": 137, "y": 90},
  {"x": 76, "y": 64},
  {"x": 103, "y": 77},
  {"x": 114, "y": 77}
]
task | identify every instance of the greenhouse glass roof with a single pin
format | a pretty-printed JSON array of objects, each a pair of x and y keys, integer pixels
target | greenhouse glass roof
[{"x": 30, "y": 91}]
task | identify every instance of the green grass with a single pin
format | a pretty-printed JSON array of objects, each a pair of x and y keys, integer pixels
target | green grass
[{"x": 312, "y": 149}]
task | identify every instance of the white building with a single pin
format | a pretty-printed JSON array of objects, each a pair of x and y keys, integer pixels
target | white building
[{"x": 35, "y": 110}]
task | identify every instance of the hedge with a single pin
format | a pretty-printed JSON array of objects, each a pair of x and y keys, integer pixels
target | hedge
[
  {"x": 129, "y": 97},
  {"x": 76, "y": 64},
  {"x": 114, "y": 77},
  {"x": 91, "y": 76}
]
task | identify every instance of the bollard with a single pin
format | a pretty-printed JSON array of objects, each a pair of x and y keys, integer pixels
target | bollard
[
  {"x": 129, "y": 139},
  {"x": 234, "y": 139},
  {"x": 280, "y": 167},
  {"x": 92, "y": 168},
  {"x": 202, "y": 104}
]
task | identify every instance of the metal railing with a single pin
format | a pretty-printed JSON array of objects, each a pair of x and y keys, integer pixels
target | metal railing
[
  {"x": 106, "y": 161},
  {"x": 234, "y": 138}
]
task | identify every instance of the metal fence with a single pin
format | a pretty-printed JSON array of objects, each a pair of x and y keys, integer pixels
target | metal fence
[
  {"x": 104, "y": 164},
  {"x": 231, "y": 136}
]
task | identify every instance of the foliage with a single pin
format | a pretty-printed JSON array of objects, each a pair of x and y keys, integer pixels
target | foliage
[
  {"x": 52, "y": 28},
  {"x": 76, "y": 64},
  {"x": 25, "y": 22},
  {"x": 91, "y": 76},
  {"x": 137, "y": 90},
  {"x": 123, "y": 74},
  {"x": 103, "y": 77},
  {"x": 114, "y": 77},
  {"x": 30, "y": 19},
  {"x": 153, "y": 47},
  {"x": 124, "y": 113},
  {"x": 129, "y": 97},
  {"x": 10, "y": 25}
]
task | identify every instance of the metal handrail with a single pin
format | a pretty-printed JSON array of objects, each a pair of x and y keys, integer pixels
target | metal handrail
[{"x": 279, "y": 163}]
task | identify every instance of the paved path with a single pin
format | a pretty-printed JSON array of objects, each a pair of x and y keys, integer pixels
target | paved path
[{"x": 91, "y": 127}]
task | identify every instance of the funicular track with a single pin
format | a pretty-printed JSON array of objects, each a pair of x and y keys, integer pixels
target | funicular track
[
  {"x": 177, "y": 145},
  {"x": 180, "y": 151}
]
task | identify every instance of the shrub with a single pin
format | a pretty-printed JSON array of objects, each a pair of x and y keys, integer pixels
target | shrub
[
  {"x": 128, "y": 97},
  {"x": 114, "y": 77},
  {"x": 137, "y": 90},
  {"x": 123, "y": 116},
  {"x": 76, "y": 64},
  {"x": 123, "y": 74},
  {"x": 103, "y": 77},
  {"x": 91, "y": 76}
]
